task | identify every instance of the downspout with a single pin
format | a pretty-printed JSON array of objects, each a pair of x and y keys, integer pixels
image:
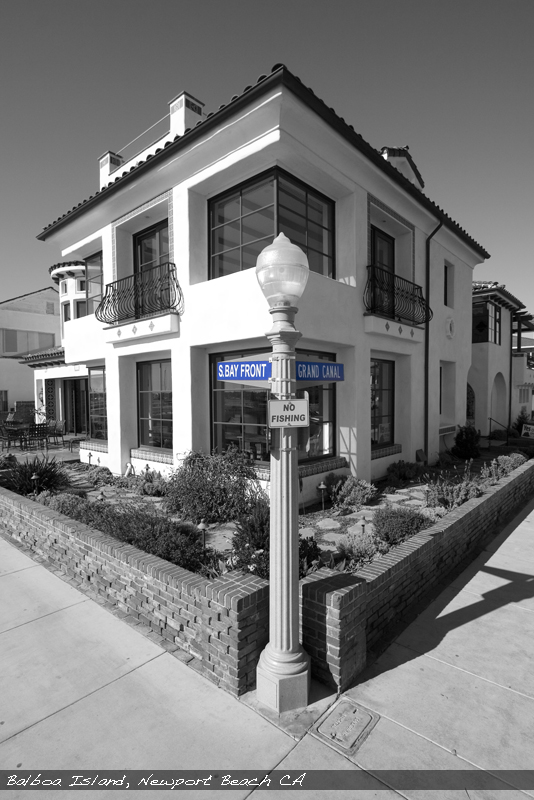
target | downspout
[
  {"x": 427, "y": 338},
  {"x": 511, "y": 362}
]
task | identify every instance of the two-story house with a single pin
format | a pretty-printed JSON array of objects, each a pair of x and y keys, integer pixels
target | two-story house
[{"x": 170, "y": 240}]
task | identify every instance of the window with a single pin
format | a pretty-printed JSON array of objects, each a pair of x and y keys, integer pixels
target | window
[
  {"x": 245, "y": 220},
  {"x": 93, "y": 282},
  {"x": 14, "y": 342},
  {"x": 81, "y": 308},
  {"x": 152, "y": 247},
  {"x": 3, "y": 401},
  {"x": 382, "y": 249},
  {"x": 525, "y": 395},
  {"x": 63, "y": 287},
  {"x": 50, "y": 308},
  {"x": 239, "y": 414},
  {"x": 486, "y": 322},
  {"x": 448, "y": 285},
  {"x": 98, "y": 420},
  {"x": 80, "y": 285},
  {"x": 382, "y": 402},
  {"x": 154, "y": 397}
]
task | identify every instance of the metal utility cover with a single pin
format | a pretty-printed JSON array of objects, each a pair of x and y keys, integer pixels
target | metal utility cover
[{"x": 346, "y": 726}]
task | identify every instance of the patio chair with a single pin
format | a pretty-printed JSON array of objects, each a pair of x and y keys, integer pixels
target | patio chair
[
  {"x": 11, "y": 435},
  {"x": 37, "y": 434}
]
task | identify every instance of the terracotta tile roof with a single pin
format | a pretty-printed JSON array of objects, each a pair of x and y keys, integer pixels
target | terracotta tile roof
[
  {"x": 52, "y": 355},
  {"x": 279, "y": 75},
  {"x": 65, "y": 265},
  {"x": 496, "y": 290}
]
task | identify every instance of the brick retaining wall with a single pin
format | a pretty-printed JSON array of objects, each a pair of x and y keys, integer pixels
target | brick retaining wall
[{"x": 224, "y": 622}]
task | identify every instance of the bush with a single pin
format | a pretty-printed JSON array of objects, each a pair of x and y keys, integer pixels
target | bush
[
  {"x": 215, "y": 488},
  {"x": 357, "y": 549},
  {"x": 466, "y": 442},
  {"x": 402, "y": 472},
  {"x": 394, "y": 524},
  {"x": 523, "y": 418},
  {"x": 143, "y": 527},
  {"x": 451, "y": 490},
  {"x": 354, "y": 494},
  {"x": 251, "y": 545},
  {"x": 333, "y": 484},
  {"x": 501, "y": 467},
  {"x": 51, "y": 476}
]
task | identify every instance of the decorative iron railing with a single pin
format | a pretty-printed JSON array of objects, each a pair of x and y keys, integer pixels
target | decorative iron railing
[
  {"x": 154, "y": 291},
  {"x": 396, "y": 298}
]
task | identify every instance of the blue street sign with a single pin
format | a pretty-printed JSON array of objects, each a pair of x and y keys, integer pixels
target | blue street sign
[{"x": 242, "y": 371}]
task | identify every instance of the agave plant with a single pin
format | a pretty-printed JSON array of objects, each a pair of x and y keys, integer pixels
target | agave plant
[{"x": 38, "y": 475}]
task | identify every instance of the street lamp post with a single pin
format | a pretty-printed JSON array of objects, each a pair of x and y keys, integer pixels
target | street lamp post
[{"x": 283, "y": 671}]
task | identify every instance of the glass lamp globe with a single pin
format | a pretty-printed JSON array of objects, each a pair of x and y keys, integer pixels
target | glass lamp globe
[{"x": 282, "y": 271}]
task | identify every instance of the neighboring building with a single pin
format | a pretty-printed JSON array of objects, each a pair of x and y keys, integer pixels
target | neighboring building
[
  {"x": 177, "y": 231},
  {"x": 501, "y": 378},
  {"x": 28, "y": 323}
]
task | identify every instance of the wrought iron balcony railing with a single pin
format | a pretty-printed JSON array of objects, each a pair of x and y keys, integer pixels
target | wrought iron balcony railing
[
  {"x": 154, "y": 291},
  {"x": 396, "y": 298}
]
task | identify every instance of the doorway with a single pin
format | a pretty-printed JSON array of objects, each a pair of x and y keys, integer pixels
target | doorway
[{"x": 75, "y": 405}]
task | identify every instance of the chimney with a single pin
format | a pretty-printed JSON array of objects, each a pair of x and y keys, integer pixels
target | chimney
[
  {"x": 400, "y": 158},
  {"x": 108, "y": 163},
  {"x": 184, "y": 111}
]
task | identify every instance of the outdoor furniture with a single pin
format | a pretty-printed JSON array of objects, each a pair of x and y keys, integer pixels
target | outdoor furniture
[
  {"x": 37, "y": 434},
  {"x": 75, "y": 440},
  {"x": 56, "y": 430},
  {"x": 12, "y": 432}
]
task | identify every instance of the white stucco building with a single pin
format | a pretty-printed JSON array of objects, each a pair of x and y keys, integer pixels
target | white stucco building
[
  {"x": 28, "y": 323},
  {"x": 177, "y": 231}
]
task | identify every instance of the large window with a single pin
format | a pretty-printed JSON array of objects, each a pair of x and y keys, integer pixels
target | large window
[
  {"x": 245, "y": 220},
  {"x": 93, "y": 282},
  {"x": 152, "y": 247},
  {"x": 382, "y": 249},
  {"x": 382, "y": 402},
  {"x": 13, "y": 342},
  {"x": 154, "y": 393},
  {"x": 239, "y": 414},
  {"x": 486, "y": 322},
  {"x": 98, "y": 420}
]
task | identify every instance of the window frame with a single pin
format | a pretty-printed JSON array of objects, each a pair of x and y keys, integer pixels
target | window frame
[
  {"x": 377, "y": 232},
  {"x": 391, "y": 413},
  {"x": 276, "y": 173},
  {"x": 94, "y": 300},
  {"x": 152, "y": 447},
  {"x": 91, "y": 416},
  {"x": 139, "y": 235}
]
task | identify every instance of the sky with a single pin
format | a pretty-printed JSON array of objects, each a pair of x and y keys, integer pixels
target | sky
[{"x": 450, "y": 78}]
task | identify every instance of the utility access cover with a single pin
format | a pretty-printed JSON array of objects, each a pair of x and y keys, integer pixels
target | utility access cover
[{"x": 346, "y": 726}]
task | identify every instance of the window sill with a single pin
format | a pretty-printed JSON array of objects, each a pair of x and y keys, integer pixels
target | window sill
[
  {"x": 158, "y": 455},
  {"x": 383, "y": 452},
  {"x": 327, "y": 464}
]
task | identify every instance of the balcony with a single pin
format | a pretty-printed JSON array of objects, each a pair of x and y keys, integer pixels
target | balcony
[
  {"x": 388, "y": 295},
  {"x": 146, "y": 294}
]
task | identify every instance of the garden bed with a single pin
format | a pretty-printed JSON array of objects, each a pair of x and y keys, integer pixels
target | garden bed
[{"x": 224, "y": 622}]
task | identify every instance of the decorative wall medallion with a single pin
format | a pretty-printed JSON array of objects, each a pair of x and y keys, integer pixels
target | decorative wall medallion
[
  {"x": 134, "y": 329},
  {"x": 387, "y": 326},
  {"x": 400, "y": 330},
  {"x": 449, "y": 327},
  {"x": 151, "y": 326},
  {"x": 411, "y": 333},
  {"x": 119, "y": 333}
]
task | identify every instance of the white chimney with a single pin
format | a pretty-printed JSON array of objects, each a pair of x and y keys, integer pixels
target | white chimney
[
  {"x": 108, "y": 163},
  {"x": 184, "y": 111}
]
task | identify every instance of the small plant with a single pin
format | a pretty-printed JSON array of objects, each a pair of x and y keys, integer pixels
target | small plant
[
  {"x": 523, "y": 418},
  {"x": 466, "y": 442},
  {"x": 402, "y": 472},
  {"x": 333, "y": 484},
  {"x": 452, "y": 489},
  {"x": 394, "y": 524},
  {"x": 357, "y": 549},
  {"x": 215, "y": 487},
  {"x": 353, "y": 495},
  {"x": 38, "y": 475}
]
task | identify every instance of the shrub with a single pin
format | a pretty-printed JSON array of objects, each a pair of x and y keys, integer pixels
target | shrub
[
  {"x": 466, "y": 442},
  {"x": 99, "y": 476},
  {"x": 451, "y": 490},
  {"x": 216, "y": 487},
  {"x": 394, "y": 524},
  {"x": 356, "y": 549},
  {"x": 523, "y": 418},
  {"x": 333, "y": 484},
  {"x": 354, "y": 494},
  {"x": 401, "y": 472},
  {"x": 251, "y": 544},
  {"x": 51, "y": 476}
]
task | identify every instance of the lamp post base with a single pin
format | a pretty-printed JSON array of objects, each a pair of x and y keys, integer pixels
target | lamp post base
[{"x": 281, "y": 690}]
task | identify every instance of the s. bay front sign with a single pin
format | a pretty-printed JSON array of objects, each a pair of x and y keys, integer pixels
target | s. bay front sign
[{"x": 243, "y": 371}]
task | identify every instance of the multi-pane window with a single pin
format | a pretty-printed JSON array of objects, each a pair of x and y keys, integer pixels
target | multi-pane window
[
  {"x": 382, "y": 402},
  {"x": 486, "y": 322},
  {"x": 93, "y": 282},
  {"x": 245, "y": 220},
  {"x": 382, "y": 249},
  {"x": 239, "y": 414},
  {"x": 98, "y": 420},
  {"x": 152, "y": 247},
  {"x": 13, "y": 342},
  {"x": 154, "y": 397}
]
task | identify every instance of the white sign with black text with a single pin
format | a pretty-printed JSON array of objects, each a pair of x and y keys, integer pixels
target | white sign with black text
[{"x": 289, "y": 413}]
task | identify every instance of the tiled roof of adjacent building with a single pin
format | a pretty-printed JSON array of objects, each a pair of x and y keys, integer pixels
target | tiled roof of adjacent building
[
  {"x": 489, "y": 288},
  {"x": 27, "y": 294},
  {"x": 280, "y": 75},
  {"x": 54, "y": 355}
]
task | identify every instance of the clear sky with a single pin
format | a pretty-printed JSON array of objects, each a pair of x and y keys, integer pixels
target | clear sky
[{"x": 450, "y": 78}]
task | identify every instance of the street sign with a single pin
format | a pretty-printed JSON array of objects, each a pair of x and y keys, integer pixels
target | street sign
[
  {"x": 306, "y": 371},
  {"x": 288, "y": 414}
]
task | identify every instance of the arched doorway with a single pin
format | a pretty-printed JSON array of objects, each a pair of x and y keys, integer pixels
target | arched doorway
[{"x": 498, "y": 400}]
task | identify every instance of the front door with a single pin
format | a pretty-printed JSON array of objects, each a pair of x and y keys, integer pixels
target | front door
[
  {"x": 75, "y": 406},
  {"x": 383, "y": 257}
]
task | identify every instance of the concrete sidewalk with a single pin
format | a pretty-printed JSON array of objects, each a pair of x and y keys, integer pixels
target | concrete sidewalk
[{"x": 81, "y": 689}]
